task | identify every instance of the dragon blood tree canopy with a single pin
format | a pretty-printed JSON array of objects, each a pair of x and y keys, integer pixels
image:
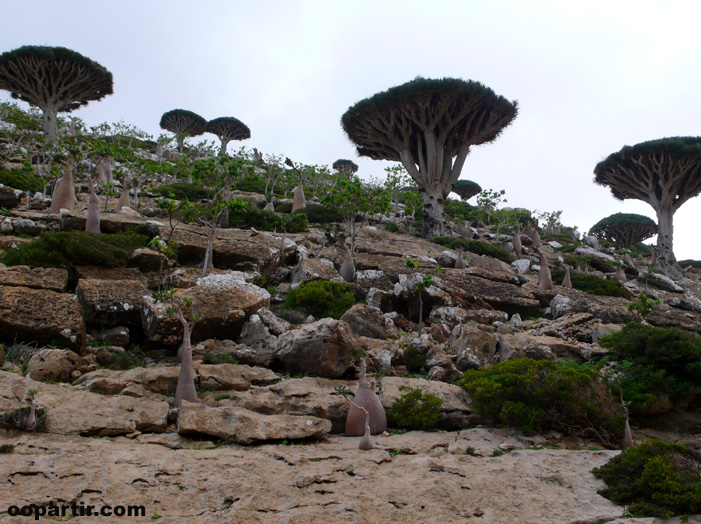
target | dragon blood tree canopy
[
  {"x": 343, "y": 165},
  {"x": 665, "y": 173},
  {"x": 466, "y": 189},
  {"x": 227, "y": 128},
  {"x": 183, "y": 123},
  {"x": 429, "y": 125},
  {"x": 55, "y": 79},
  {"x": 624, "y": 229}
]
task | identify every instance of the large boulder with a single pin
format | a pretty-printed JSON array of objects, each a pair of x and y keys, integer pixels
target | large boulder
[
  {"x": 309, "y": 269},
  {"x": 474, "y": 347},
  {"x": 246, "y": 427},
  {"x": 52, "y": 365},
  {"x": 40, "y": 315},
  {"x": 453, "y": 316},
  {"x": 324, "y": 348},
  {"x": 367, "y": 321},
  {"x": 83, "y": 412},
  {"x": 222, "y": 301},
  {"x": 112, "y": 297},
  {"x": 543, "y": 347},
  {"x": 54, "y": 279}
]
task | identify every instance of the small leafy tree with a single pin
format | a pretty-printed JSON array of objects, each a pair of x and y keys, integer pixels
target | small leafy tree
[
  {"x": 227, "y": 128},
  {"x": 644, "y": 306},
  {"x": 488, "y": 201}
]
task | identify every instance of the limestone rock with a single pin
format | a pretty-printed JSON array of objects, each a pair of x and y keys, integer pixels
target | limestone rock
[
  {"x": 452, "y": 316},
  {"x": 276, "y": 325},
  {"x": 54, "y": 279},
  {"x": 116, "y": 336},
  {"x": 310, "y": 269},
  {"x": 519, "y": 345},
  {"x": 41, "y": 315},
  {"x": 474, "y": 347},
  {"x": 323, "y": 348},
  {"x": 55, "y": 365},
  {"x": 366, "y": 321},
  {"x": 113, "y": 299},
  {"x": 257, "y": 336},
  {"x": 82, "y": 412},
  {"x": 223, "y": 302},
  {"x": 147, "y": 260},
  {"x": 244, "y": 426}
]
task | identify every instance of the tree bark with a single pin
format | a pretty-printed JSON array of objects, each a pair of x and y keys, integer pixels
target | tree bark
[
  {"x": 185, "y": 389},
  {"x": 665, "y": 242},
  {"x": 434, "y": 222},
  {"x": 222, "y": 149},
  {"x": 49, "y": 122}
]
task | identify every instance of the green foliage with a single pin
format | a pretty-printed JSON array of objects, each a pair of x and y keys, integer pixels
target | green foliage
[
  {"x": 624, "y": 229},
  {"x": 657, "y": 366},
  {"x": 11, "y": 112},
  {"x": 487, "y": 202},
  {"x": 654, "y": 479},
  {"x": 7, "y": 448},
  {"x": 602, "y": 265},
  {"x": 245, "y": 214},
  {"x": 25, "y": 179},
  {"x": 644, "y": 306},
  {"x": 321, "y": 298},
  {"x": 457, "y": 210},
  {"x": 474, "y": 246},
  {"x": 415, "y": 409},
  {"x": 392, "y": 227},
  {"x": 696, "y": 264},
  {"x": 252, "y": 184},
  {"x": 414, "y": 361},
  {"x": 466, "y": 189},
  {"x": 593, "y": 284},
  {"x": 75, "y": 248},
  {"x": 224, "y": 358},
  {"x": 122, "y": 360},
  {"x": 184, "y": 191},
  {"x": 534, "y": 395}
]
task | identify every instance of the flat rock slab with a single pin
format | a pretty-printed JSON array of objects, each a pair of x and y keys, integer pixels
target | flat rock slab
[
  {"x": 82, "y": 412},
  {"x": 41, "y": 315},
  {"x": 110, "y": 302},
  {"x": 246, "y": 427},
  {"x": 54, "y": 279},
  {"x": 407, "y": 478}
]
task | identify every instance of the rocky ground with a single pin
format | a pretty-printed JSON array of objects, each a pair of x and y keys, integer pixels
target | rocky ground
[{"x": 446, "y": 477}]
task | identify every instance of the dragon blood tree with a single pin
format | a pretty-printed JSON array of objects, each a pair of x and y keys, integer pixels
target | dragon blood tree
[
  {"x": 227, "y": 128},
  {"x": 183, "y": 123},
  {"x": 345, "y": 166},
  {"x": 624, "y": 229},
  {"x": 665, "y": 173},
  {"x": 466, "y": 189},
  {"x": 429, "y": 125},
  {"x": 55, "y": 79}
]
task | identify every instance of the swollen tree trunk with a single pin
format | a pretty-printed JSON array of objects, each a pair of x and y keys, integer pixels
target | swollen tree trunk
[
  {"x": 49, "y": 122},
  {"x": 207, "y": 263},
  {"x": 185, "y": 390},
  {"x": 434, "y": 222},
  {"x": 665, "y": 244},
  {"x": 92, "y": 222}
]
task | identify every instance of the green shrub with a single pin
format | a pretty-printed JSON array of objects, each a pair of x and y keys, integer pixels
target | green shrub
[
  {"x": 321, "y": 299},
  {"x": 7, "y": 448},
  {"x": 75, "y": 248},
  {"x": 654, "y": 479},
  {"x": 540, "y": 394},
  {"x": 25, "y": 179},
  {"x": 298, "y": 223},
  {"x": 458, "y": 210},
  {"x": 602, "y": 265},
  {"x": 593, "y": 284},
  {"x": 657, "y": 366},
  {"x": 184, "y": 191},
  {"x": 224, "y": 358},
  {"x": 474, "y": 246},
  {"x": 252, "y": 184},
  {"x": 696, "y": 264},
  {"x": 415, "y": 409},
  {"x": 284, "y": 207},
  {"x": 125, "y": 360},
  {"x": 266, "y": 220},
  {"x": 414, "y": 361},
  {"x": 418, "y": 224},
  {"x": 392, "y": 227}
]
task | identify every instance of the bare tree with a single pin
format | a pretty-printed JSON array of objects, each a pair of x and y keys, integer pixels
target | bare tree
[{"x": 55, "y": 79}]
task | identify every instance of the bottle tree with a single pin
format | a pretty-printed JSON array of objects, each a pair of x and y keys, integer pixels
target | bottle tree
[
  {"x": 665, "y": 173},
  {"x": 429, "y": 125},
  {"x": 624, "y": 229},
  {"x": 55, "y": 79},
  {"x": 183, "y": 123},
  {"x": 227, "y": 128}
]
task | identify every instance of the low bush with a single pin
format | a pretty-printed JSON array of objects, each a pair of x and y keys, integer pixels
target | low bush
[
  {"x": 224, "y": 358},
  {"x": 415, "y": 410},
  {"x": 266, "y": 220},
  {"x": 535, "y": 395},
  {"x": 658, "y": 367},
  {"x": 321, "y": 299},
  {"x": 25, "y": 179},
  {"x": 392, "y": 227},
  {"x": 474, "y": 246},
  {"x": 125, "y": 360},
  {"x": 184, "y": 191},
  {"x": 696, "y": 264},
  {"x": 458, "y": 210},
  {"x": 75, "y": 248},
  {"x": 251, "y": 184},
  {"x": 593, "y": 284},
  {"x": 414, "y": 361},
  {"x": 654, "y": 479},
  {"x": 599, "y": 264}
]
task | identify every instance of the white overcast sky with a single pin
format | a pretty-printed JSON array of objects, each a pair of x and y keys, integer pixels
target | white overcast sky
[{"x": 590, "y": 77}]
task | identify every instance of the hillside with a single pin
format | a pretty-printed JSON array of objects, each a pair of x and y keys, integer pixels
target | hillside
[{"x": 91, "y": 324}]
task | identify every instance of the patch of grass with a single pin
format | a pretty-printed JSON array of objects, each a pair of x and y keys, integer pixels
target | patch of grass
[
  {"x": 25, "y": 179},
  {"x": 474, "y": 246},
  {"x": 654, "y": 479},
  {"x": 75, "y": 248},
  {"x": 224, "y": 358},
  {"x": 593, "y": 284}
]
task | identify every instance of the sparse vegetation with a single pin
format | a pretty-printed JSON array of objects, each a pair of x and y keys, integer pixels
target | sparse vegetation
[
  {"x": 415, "y": 409},
  {"x": 321, "y": 299}
]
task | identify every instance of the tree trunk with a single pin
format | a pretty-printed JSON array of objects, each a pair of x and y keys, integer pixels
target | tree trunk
[
  {"x": 421, "y": 313},
  {"x": 207, "y": 263},
  {"x": 49, "y": 122},
  {"x": 434, "y": 222},
  {"x": 185, "y": 389},
  {"x": 222, "y": 149},
  {"x": 665, "y": 245}
]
